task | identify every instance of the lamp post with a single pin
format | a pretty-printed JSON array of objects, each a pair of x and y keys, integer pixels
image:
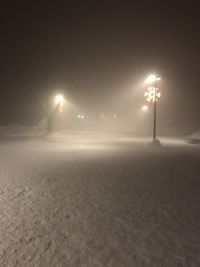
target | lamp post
[
  {"x": 155, "y": 109},
  {"x": 59, "y": 100},
  {"x": 57, "y": 107},
  {"x": 152, "y": 94}
]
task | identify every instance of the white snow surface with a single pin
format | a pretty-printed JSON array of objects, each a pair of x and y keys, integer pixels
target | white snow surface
[
  {"x": 195, "y": 135},
  {"x": 94, "y": 200}
]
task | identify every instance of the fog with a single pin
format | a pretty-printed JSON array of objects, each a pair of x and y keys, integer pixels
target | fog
[
  {"x": 99, "y": 134},
  {"x": 121, "y": 112}
]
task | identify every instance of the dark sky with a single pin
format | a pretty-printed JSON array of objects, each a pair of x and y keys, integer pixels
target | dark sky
[{"x": 96, "y": 51}]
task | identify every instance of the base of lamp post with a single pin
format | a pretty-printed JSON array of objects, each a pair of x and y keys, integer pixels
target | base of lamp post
[{"x": 156, "y": 143}]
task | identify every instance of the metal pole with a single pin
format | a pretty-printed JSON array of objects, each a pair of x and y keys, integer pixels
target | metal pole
[{"x": 154, "y": 119}]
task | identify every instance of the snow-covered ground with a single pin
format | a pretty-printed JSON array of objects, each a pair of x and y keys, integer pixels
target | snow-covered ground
[
  {"x": 97, "y": 200},
  {"x": 195, "y": 135}
]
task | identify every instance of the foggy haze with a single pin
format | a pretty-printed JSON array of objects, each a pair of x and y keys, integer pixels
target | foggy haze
[
  {"x": 99, "y": 134},
  {"x": 98, "y": 55}
]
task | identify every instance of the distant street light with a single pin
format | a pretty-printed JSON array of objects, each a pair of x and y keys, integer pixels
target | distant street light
[
  {"x": 59, "y": 100},
  {"x": 152, "y": 78},
  {"x": 152, "y": 94},
  {"x": 80, "y": 116},
  {"x": 145, "y": 108}
]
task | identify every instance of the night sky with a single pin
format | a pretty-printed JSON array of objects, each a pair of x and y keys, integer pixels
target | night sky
[{"x": 98, "y": 53}]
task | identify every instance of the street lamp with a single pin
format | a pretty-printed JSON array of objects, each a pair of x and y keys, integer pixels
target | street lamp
[
  {"x": 145, "y": 108},
  {"x": 152, "y": 78},
  {"x": 152, "y": 94},
  {"x": 59, "y": 100},
  {"x": 80, "y": 116}
]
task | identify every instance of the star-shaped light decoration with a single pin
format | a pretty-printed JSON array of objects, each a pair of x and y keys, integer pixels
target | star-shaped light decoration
[{"x": 152, "y": 94}]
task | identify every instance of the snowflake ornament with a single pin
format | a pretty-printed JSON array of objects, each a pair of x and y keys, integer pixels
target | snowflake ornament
[{"x": 152, "y": 94}]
